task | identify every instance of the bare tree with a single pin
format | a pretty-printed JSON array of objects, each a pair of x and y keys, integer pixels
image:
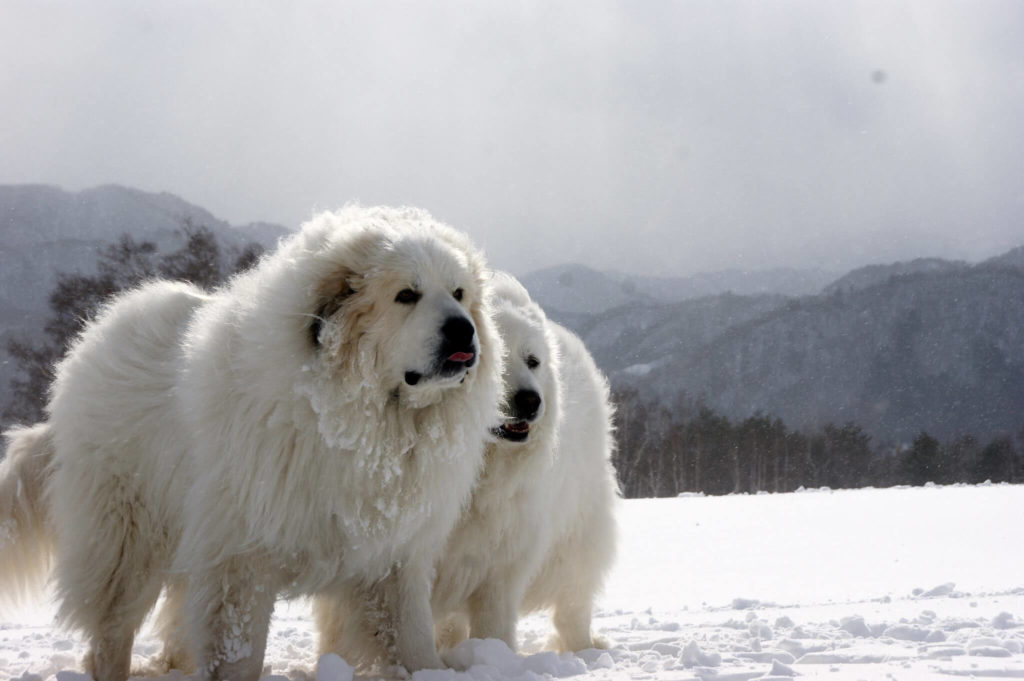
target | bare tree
[{"x": 77, "y": 297}]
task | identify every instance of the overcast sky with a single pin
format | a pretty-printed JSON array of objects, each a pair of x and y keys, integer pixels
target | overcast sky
[{"x": 642, "y": 135}]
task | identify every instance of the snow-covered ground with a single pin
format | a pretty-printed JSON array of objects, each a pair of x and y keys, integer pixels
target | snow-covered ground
[{"x": 918, "y": 583}]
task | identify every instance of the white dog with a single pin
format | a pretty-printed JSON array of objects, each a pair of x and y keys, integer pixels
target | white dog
[
  {"x": 540, "y": 530},
  {"x": 314, "y": 426}
]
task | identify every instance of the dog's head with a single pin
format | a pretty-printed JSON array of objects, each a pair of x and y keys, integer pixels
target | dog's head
[
  {"x": 399, "y": 302},
  {"x": 531, "y": 369}
]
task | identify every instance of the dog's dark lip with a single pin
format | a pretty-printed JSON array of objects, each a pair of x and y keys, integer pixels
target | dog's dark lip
[
  {"x": 515, "y": 430},
  {"x": 447, "y": 370}
]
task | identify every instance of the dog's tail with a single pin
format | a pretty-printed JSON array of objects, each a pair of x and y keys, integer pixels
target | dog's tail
[{"x": 26, "y": 535}]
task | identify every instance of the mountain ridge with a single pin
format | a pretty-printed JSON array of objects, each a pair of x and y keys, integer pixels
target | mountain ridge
[{"x": 922, "y": 344}]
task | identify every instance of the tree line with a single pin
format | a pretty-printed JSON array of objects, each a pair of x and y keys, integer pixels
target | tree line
[{"x": 685, "y": 447}]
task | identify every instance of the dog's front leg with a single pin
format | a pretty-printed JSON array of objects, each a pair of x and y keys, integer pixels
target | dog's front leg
[
  {"x": 493, "y": 612},
  {"x": 413, "y": 618},
  {"x": 229, "y": 608}
]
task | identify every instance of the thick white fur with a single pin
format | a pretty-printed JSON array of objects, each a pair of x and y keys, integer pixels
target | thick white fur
[
  {"x": 205, "y": 442},
  {"x": 26, "y": 537},
  {"x": 540, "y": 531}
]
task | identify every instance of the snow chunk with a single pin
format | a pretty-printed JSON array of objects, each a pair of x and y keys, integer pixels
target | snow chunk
[
  {"x": 907, "y": 632},
  {"x": 603, "y": 661},
  {"x": 853, "y": 656},
  {"x": 498, "y": 657},
  {"x": 693, "y": 656},
  {"x": 1003, "y": 620},
  {"x": 984, "y": 641},
  {"x": 666, "y": 649},
  {"x": 72, "y": 676},
  {"x": 944, "y": 652},
  {"x": 555, "y": 665},
  {"x": 779, "y": 669},
  {"x": 768, "y": 656},
  {"x": 330, "y": 667},
  {"x": 784, "y": 622},
  {"x": 940, "y": 590},
  {"x": 823, "y": 658},
  {"x": 793, "y": 646},
  {"x": 488, "y": 652},
  {"x": 987, "y": 646},
  {"x": 855, "y": 625},
  {"x": 760, "y": 630}
]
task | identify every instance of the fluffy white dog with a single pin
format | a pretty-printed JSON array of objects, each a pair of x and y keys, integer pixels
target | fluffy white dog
[
  {"x": 540, "y": 529},
  {"x": 314, "y": 426}
]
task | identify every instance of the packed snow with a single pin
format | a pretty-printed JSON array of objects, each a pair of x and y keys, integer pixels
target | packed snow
[{"x": 909, "y": 583}]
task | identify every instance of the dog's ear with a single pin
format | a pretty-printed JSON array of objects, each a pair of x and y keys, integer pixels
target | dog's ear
[{"x": 332, "y": 294}]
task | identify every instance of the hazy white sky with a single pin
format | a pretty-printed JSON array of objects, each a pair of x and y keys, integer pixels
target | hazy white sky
[{"x": 655, "y": 136}]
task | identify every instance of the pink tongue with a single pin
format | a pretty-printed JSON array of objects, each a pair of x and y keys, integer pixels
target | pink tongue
[{"x": 460, "y": 357}]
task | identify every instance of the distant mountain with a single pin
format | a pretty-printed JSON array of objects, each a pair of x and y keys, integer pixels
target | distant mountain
[
  {"x": 940, "y": 351},
  {"x": 580, "y": 291},
  {"x": 575, "y": 290},
  {"x": 45, "y": 230},
  {"x": 41, "y": 215},
  {"x": 1014, "y": 258},
  {"x": 871, "y": 275},
  {"x": 779, "y": 281},
  {"x": 636, "y": 337}
]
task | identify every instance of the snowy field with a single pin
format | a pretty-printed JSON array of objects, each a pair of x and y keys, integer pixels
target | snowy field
[{"x": 919, "y": 583}]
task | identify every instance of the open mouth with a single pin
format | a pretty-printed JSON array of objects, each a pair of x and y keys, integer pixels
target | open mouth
[{"x": 515, "y": 431}]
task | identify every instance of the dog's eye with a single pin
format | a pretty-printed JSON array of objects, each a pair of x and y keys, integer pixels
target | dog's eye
[
  {"x": 408, "y": 297},
  {"x": 532, "y": 362},
  {"x": 457, "y": 294}
]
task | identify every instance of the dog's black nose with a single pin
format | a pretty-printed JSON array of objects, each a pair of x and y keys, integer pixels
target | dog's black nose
[
  {"x": 458, "y": 332},
  {"x": 526, "y": 402}
]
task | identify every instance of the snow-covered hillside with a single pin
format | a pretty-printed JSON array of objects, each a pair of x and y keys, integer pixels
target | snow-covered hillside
[{"x": 917, "y": 583}]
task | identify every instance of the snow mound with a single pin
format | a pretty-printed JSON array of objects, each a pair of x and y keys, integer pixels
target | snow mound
[
  {"x": 485, "y": 660},
  {"x": 330, "y": 667}
]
